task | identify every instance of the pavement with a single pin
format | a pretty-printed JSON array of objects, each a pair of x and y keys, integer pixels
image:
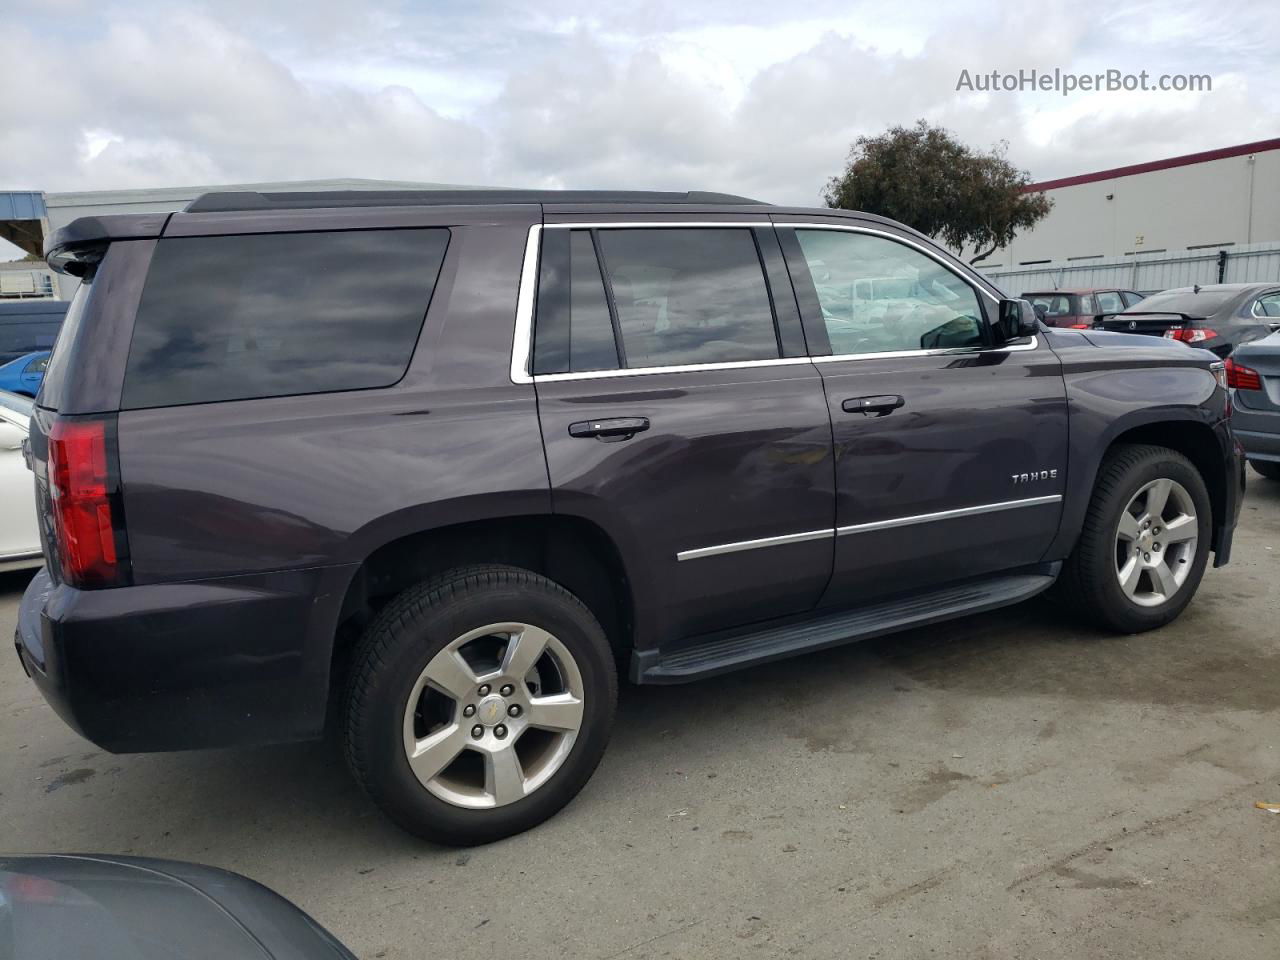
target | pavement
[{"x": 1011, "y": 785}]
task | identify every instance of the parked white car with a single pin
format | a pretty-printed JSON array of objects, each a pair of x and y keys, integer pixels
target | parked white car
[{"x": 19, "y": 534}]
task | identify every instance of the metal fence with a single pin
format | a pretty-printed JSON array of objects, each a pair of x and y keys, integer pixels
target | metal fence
[{"x": 1147, "y": 273}]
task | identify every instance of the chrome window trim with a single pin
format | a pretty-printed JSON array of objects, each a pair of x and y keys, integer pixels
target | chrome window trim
[
  {"x": 947, "y": 514},
  {"x": 723, "y": 548},
  {"x": 699, "y": 552},
  {"x": 682, "y": 368},
  {"x": 1029, "y": 344},
  {"x": 522, "y": 343}
]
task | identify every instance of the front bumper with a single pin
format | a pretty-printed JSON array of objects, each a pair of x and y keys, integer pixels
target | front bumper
[{"x": 175, "y": 666}]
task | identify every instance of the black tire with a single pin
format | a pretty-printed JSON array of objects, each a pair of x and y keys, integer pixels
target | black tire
[
  {"x": 1089, "y": 585},
  {"x": 1268, "y": 468},
  {"x": 400, "y": 642}
]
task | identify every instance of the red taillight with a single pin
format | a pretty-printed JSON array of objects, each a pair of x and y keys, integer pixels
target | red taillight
[
  {"x": 82, "y": 487},
  {"x": 1190, "y": 334},
  {"x": 1080, "y": 326},
  {"x": 1241, "y": 377}
]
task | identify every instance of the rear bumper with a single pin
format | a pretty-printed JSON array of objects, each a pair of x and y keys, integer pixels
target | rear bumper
[
  {"x": 1258, "y": 431},
  {"x": 213, "y": 663}
]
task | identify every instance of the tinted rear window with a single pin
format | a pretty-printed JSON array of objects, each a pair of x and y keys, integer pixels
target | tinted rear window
[{"x": 230, "y": 318}]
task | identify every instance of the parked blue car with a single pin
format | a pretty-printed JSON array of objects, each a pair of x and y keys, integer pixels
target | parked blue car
[{"x": 24, "y": 374}]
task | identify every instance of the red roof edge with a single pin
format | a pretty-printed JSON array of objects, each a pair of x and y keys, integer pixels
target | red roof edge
[{"x": 1222, "y": 153}]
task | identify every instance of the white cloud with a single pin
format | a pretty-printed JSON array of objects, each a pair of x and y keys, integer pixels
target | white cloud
[{"x": 759, "y": 98}]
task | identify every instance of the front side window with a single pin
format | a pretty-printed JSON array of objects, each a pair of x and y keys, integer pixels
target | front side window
[
  {"x": 270, "y": 315},
  {"x": 881, "y": 296}
]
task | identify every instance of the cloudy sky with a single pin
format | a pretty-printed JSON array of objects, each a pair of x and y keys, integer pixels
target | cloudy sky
[{"x": 759, "y": 98}]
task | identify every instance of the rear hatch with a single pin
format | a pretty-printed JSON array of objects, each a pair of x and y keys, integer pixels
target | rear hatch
[{"x": 73, "y": 437}]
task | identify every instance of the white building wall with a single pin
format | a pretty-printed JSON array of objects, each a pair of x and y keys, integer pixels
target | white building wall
[{"x": 1232, "y": 201}]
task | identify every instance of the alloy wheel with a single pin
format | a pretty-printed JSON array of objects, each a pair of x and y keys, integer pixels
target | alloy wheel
[
  {"x": 1155, "y": 543},
  {"x": 493, "y": 715}
]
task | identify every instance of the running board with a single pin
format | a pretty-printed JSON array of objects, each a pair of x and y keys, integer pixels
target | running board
[{"x": 722, "y": 652}]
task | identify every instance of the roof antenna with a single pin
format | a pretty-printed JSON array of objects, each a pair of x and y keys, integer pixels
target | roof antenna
[{"x": 1196, "y": 288}]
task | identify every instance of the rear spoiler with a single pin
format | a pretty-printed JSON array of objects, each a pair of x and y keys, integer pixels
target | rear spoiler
[
  {"x": 1184, "y": 317},
  {"x": 80, "y": 244}
]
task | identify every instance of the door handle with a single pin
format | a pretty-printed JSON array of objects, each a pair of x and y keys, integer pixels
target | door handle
[
  {"x": 617, "y": 428},
  {"x": 873, "y": 406}
]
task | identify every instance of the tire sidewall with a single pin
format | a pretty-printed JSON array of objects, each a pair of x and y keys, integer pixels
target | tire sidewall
[
  {"x": 1123, "y": 610},
  {"x": 420, "y": 637}
]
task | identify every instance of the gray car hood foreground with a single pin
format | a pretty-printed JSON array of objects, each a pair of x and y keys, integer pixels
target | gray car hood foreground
[{"x": 70, "y": 907}]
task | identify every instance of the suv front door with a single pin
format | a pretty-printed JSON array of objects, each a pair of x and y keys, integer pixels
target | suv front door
[
  {"x": 681, "y": 415},
  {"x": 950, "y": 447}
]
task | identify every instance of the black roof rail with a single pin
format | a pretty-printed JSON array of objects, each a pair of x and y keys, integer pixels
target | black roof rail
[{"x": 240, "y": 200}]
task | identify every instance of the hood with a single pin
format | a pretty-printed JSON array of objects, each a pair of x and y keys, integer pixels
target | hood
[{"x": 113, "y": 908}]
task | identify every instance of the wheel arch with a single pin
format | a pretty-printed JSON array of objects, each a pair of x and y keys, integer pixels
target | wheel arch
[
  {"x": 1184, "y": 432},
  {"x": 572, "y": 551}
]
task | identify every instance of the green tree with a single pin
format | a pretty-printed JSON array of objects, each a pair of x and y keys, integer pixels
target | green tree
[{"x": 926, "y": 178}]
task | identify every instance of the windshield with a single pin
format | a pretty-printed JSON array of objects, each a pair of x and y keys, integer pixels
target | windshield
[{"x": 1200, "y": 304}]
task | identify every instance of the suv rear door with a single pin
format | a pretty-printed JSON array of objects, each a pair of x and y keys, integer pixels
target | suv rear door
[
  {"x": 681, "y": 415},
  {"x": 950, "y": 450}
]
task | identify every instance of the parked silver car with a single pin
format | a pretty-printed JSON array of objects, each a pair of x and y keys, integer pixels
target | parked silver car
[{"x": 1253, "y": 374}]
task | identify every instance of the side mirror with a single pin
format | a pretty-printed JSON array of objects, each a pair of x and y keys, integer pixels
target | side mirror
[
  {"x": 1041, "y": 311},
  {"x": 1017, "y": 320}
]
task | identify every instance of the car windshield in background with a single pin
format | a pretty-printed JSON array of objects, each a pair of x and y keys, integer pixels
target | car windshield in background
[
  {"x": 14, "y": 403},
  {"x": 1201, "y": 304}
]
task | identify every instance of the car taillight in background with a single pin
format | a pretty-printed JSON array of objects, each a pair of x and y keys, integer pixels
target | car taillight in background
[
  {"x": 1190, "y": 334},
  {"x": 1241, "y": 377},
  {"x": 84, "y": 486},
  {"x": 1080, "y": 326}
]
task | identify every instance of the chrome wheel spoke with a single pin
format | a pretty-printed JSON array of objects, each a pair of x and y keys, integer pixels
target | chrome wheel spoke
[
  {"x": 1165, "y": 581},
  {"x": 1145, "y": 541},
  {"x": 563, "y": 711},
  {"x": 1179, "y": 529},
  {"x": 1129, "y": 526},
  {"x": 487, "y": 709},
  {"x": 1130, "y": 574},
  {"x": 503, "y": 775},
  {"x": 1158, "y": 497},
  {"x": 524, "y": 650},
  {"x": 450, "y": 674},
  {"x": 433, "y": 753}
]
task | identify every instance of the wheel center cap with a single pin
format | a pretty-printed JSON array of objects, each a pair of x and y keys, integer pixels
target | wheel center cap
[{"x": 491, "y": 710}]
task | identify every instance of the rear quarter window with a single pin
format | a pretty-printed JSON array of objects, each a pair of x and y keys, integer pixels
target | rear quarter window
[{"x": 270, "y": 315}]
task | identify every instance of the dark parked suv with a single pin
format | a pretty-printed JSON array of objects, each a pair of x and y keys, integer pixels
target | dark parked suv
[{"x": 435, "y": 466}]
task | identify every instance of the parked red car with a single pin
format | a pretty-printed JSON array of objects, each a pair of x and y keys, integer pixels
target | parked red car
[{"x": 1077, "y": 308}]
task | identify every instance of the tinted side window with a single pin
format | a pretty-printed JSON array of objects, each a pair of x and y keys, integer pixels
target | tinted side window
[
  {"x": 1130, "y": 298},
  {"x": 1109, "y": 302},
  {"x": 227, "y": 318},
  {"x": 573, "y": 332},
  {"x": 691, "y": 295},
  {"x": 881, "y": 296}
]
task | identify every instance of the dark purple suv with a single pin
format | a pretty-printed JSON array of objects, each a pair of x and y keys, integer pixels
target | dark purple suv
[{"x": 436, "y": 467}]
